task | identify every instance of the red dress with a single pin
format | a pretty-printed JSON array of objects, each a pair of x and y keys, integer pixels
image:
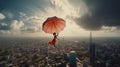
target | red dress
[{"x": 53, "y": 42}]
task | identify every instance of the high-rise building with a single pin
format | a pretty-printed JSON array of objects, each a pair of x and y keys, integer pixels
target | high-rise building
[
  {"x": 73, "y": 62},
  {"x": 92, "y": 51}
]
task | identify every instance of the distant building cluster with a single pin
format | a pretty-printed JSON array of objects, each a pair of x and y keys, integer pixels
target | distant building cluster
[
  {"x": 67, "y": 53},
  {"x": 108, "y": 55}
]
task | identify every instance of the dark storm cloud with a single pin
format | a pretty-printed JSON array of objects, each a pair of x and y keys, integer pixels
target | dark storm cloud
[{"x": 103, "y": 13}]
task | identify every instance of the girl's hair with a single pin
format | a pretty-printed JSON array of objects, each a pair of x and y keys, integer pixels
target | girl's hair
[{"x": 54, "y": 33}]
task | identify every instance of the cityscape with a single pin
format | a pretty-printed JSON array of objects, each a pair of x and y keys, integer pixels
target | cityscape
[{"x": 35, "y": 52}]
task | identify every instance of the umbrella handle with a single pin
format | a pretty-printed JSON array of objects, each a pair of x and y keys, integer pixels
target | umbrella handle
[{"x": 57, "y": 34}]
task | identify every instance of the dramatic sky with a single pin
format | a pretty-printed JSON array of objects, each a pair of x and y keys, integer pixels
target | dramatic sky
[{"x": 25, "y": 17}]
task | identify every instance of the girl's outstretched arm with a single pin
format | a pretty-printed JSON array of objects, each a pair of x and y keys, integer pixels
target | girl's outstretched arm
[{"x": 57, "y": 34}]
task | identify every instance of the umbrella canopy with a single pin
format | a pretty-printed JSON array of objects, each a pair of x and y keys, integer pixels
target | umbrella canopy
[{"x": 53, "y": 24}]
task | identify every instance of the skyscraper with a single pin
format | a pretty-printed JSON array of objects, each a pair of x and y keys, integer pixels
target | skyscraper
[
  {"x": 72, "y": 58},
  {"x": 92, "y": 51}
]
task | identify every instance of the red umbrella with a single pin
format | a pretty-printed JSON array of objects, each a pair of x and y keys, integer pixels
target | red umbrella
[{"x": 53, "y": 25}]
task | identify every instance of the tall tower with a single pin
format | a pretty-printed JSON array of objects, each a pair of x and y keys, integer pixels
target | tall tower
[
  {"x": 90, "y": 38},
  {"x": 92, "y": 51}
]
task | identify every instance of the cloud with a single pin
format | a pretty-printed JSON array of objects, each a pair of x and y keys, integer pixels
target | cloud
[
  {"x": 13, "y": 28},
  {"x": 5, "y": 32},
  {"x": 22, "y": 14},
  {"x": 3, "y": 24},
  {"x": 109, "y": 28},
  {"x": 88, "y": 23},
  {"x": 65, "y": 8},
  {"x": 2, "y": 16},
  {"x": 16, "y": 25},
  {"x": 11, "y": 25},
  {"x": 102, "y": 13},
  {"x": 32, "y": 29}
]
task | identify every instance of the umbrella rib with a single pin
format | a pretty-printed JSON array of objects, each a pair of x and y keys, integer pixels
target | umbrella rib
[
  {"x": 60, "y": 25},
  {"x": 54, "y": 25},
  {"x": 51, "y": 28},
  {"x": 57, "y": 27},
  {"x": 47, "y": 28}
]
